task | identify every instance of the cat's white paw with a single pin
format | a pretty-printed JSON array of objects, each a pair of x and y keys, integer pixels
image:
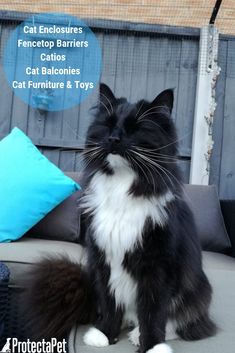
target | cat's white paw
[
  {"x": 134, "y": 336},
  {"x": 160, "y": 348},
  {"x": 95, "y": 338}
]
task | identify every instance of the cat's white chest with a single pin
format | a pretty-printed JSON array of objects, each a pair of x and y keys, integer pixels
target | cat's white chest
[
  {"x": 117, "y": 226},
  {"x": 118, "y": 222},
  {"x": 118, "y": 218}
]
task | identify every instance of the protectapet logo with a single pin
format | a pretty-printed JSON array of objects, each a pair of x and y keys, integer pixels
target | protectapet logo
[
  {"x": 6, "y": 347},
  {"x": 53, "y": 346}
]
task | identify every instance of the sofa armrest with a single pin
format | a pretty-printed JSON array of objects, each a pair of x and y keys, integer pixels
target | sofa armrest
[{"x": 228, "y": 211}]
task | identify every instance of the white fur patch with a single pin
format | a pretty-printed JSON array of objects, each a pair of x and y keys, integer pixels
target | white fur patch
[
  {"x": 117, "y": 161},
  {"x": 134, "y": 336},
  {"x": 95, "y": 338},
  {"x": 130, "y": 317},
  {"x": 160, "y": 348},
  {"x": 118, "y": 222},
  {"x": 171, "y": 331}
]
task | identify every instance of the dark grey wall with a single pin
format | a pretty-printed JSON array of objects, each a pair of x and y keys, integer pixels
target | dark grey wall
[
  {"x": 223, "y": 158},
  {"x": 138, "y": 62}
]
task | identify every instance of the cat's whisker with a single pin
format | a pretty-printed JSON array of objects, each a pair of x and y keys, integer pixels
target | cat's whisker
[
  {"x": 169, "y": 144},
  {"x": 173, "y": 142},
  {"x": 90, "y": 158},
  {"x": 154, "y": 123},
  {"x": 158, "y": 158},
  {"x": 179, "y": 183},
  {"x": 111, "y": 106},
  {"x": 144, "y": 116},
  {"x": 81, "y": 154},
  {"x": 154, "y": 170},
  {"x": 165, "y": 170},
  {"x": 105, "y": 106},
  {"x": 156, "y": 155},
  {"x": 91, "y": 149},
  {"x": 139, "y": 166},
  {"x": 92, "y": 154},
  {"x": 149, "y": 170},
  {"x": 155, "y": 164},
  {"x": 94, "y": 146},
  {"x": 173, "y": 176},
  {"x": 73, "y": 156},
  {"x": 152, "y": 108},
  {"x": 136, "y": 115},
  {"x": 142, "y": 121},
  {"x": 162, "y": 161},
  {"x": 90, "y": 143},
  {"x": 76, "y": 134},
  {"x": 148, "y": 110}
]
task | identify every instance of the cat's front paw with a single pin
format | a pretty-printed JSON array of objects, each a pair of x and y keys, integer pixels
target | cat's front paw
[
  {"x": 95, "y": 338},
  {"x": 160, "y": 348}
]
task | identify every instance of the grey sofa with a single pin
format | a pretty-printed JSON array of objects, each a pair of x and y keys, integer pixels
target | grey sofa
[{"x": 219, "y": 266}]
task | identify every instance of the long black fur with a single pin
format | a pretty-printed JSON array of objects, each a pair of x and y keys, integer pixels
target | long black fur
[
  {"x": 58, "y": 295},
  {"x": 167, "y": 267}
]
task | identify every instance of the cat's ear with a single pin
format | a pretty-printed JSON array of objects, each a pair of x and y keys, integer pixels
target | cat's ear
[
  {"x": 165, "y": 99},
  {"x": 106, "y": 95}
]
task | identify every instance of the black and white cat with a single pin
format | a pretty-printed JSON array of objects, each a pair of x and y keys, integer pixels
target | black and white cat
[
  {"x": 142, "y": 245},
  {"x": 144, "y": 258}
]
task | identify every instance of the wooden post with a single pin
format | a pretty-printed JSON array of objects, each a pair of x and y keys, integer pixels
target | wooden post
[{"x": 205, "y": 106}]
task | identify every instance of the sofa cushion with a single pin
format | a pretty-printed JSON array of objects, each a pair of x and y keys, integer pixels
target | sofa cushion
[
  {"x": 204, "y": 203},
  {"x": 217, "y": 262},
  {"x": 30, "y": 185},
  {"x": 228, "y": 211},
  {"x": 20, "y": 255},
  {"x": 63, "y": 222}
]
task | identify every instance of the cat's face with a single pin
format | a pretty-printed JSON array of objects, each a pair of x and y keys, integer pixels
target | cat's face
[{"x": 143, "y": 134}]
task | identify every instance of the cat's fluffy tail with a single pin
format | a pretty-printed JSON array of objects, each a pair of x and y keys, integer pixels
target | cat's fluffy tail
[{"x": 58, "y": 295}]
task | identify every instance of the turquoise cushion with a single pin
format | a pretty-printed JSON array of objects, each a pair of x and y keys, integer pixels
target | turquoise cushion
[{"x": 30, "y": 185}]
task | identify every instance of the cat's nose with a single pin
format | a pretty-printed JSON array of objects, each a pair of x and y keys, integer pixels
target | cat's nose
[{"x": 114, "y": 139}]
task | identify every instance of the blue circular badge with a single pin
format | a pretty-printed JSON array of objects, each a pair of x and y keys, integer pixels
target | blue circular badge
[{"x": 52, "y": 61}]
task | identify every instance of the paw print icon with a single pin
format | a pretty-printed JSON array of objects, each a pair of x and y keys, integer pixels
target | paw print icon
[{"x": 6, "y": 347}]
